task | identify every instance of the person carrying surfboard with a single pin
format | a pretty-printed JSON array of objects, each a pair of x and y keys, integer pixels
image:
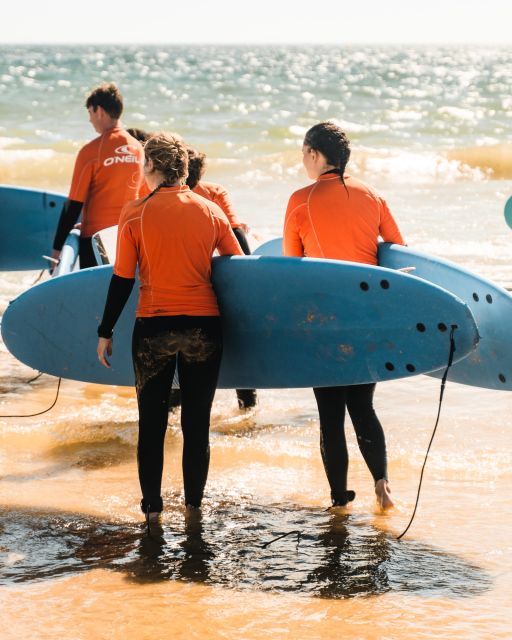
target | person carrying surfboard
[
  {"x": 341, "y": 218},
  {"x": 107, "y": 174},
  {"x": 247, "y": 398},
  {"x": 170, "y": 235}
]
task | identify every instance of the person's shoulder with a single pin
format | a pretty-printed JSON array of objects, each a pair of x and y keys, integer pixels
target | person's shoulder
[
  {"x": 301, "y": 195},
  {"x": 358, "y": 185},
  {"x": 132, "y": 209},
  {"x": 213, "y": 187},
  {"x": 209, "y": 206},
  {"x": 90, "y": 149},
  {"x": 124, "y": 135},
  {"x": 211, "y": 190}
]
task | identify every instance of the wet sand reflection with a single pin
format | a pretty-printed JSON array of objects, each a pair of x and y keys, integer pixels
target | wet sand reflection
[{"x": 337, "y": 556}]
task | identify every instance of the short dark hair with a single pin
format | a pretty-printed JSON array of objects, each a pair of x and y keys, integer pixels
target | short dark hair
[
  {"x": 109, "y": 98},
  {"x": 196, "y": 162},
  {"x": 139, "y": 134}
]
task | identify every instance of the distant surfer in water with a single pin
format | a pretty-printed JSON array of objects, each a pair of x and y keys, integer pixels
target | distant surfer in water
[
  {"x": 107, "y": 174},
  {"x": 339, "y": 217},
  {"x": 170, "y": 236}
]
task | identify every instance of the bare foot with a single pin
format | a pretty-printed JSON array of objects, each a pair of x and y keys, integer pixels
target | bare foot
[{"x": 382, "y": 491}]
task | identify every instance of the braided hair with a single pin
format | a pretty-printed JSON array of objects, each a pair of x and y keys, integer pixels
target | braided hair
[
  {"x": 169, "y": 155},
  {"x": 332, "y": 142}
]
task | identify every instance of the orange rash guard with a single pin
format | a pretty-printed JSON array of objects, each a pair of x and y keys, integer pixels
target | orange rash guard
[
  {"x": 323, "y": 221},
  {"x": 218, "y": 194},
  {"x": 108, "y": 174},
  {"x": 172, "y": 237}
]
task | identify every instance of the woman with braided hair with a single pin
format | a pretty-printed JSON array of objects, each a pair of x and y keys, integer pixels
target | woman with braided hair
[
  {"x": 341, "y": 218},
  {"x": 170, "y": 235}
]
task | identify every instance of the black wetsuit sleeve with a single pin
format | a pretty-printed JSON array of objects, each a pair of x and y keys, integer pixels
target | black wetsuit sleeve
[
  {"x": 68, "y": 217},
  {"x": 242, "y": 240},
  {"x": 118, "y": 294}
]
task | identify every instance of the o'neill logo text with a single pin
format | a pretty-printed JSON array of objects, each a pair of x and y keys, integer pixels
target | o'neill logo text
[{"x": 125, "y": 156}]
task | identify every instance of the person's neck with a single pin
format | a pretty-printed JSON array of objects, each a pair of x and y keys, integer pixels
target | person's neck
[
  {"x": 108, "y": 126},
  {"x": 156, "y": 178}
]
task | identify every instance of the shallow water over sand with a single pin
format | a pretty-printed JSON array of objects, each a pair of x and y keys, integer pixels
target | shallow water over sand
[{"x": 75, "y": 553}]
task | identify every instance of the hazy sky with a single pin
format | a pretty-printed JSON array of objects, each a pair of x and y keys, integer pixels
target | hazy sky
[{"x": 257, "y": 21}]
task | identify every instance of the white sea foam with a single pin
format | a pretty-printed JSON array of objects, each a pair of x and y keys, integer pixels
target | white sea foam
[
  {"x": 458, "y": 113},
  {"x": 418, "y": 168},
  {"x": 8, "y": 142},
  {"x": 26, "y": 154}
]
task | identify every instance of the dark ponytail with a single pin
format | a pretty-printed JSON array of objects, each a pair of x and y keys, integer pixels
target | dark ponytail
[{"x": 331, "y": 142}]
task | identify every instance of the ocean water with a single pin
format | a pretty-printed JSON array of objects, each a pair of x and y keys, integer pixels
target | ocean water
[{"x": 431, "y": 130}]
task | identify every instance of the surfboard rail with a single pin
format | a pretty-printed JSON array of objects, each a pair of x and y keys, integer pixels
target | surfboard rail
[{"x": 288, "y": 322}]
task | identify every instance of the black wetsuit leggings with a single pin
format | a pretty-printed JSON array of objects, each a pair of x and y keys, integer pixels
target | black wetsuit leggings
[
  {"x": 358, "y": 399},
  {"x": 195, "y": 344},
  {"x": 86, "y": 253}
]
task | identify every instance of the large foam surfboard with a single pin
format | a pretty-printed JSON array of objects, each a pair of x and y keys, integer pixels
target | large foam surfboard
[
  {"x": 28, "y": 220},
  {"x": 288, "y": 322},
  {"x": 490, "y": 365}
]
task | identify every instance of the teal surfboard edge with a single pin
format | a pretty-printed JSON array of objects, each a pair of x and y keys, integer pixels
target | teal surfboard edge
[
  {"x": 28, "y": 220},
  {"x": 287, "y": 323},
  {"x": 508, "y": 212},
  {"x": 490, "y": 365}
]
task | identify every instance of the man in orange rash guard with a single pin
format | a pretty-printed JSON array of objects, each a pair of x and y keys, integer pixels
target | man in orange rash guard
[
  {"x": 339, "y": 217},
  {"x": 107, "y": 174},
  {"x": 171, "y": 236}
]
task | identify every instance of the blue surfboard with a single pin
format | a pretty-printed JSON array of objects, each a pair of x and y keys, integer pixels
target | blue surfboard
[
  {"x": 28, "y": 220},
  {"x": 272, "y": 247},
  {"x": 508, "y": 212},
  {"x": 288, "y": 322},
  {"x": 490, "y": 365}
]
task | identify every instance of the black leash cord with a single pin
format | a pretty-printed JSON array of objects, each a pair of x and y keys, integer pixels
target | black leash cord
[
  {"x": 39, "y": 413},
  {"x": 34, "y": 378},
  {"x": 284, "y": 535},
  {"x": 38, "y": 277},
  {"x": 443, "y": 384}
]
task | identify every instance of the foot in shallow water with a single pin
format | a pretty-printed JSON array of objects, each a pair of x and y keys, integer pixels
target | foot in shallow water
[
  {"x": 383, "y": 493},
  {"x": 341, "y": 504},
  {"x": 247, "y": 398}
]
